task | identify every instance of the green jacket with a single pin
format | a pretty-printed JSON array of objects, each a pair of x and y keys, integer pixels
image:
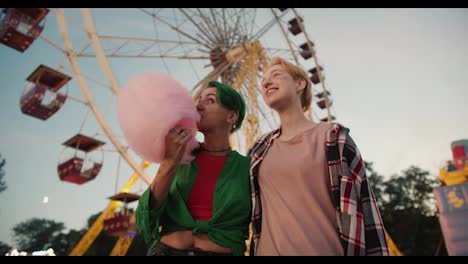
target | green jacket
[{"x": 229, "y": 225}]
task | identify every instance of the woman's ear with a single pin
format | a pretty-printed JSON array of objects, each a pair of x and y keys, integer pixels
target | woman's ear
[
  {"x": 232, "y": 117},
  {"x": 301, "y": 84}
]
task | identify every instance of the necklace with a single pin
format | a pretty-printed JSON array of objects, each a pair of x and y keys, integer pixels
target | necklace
[{"x": 214, "y": 151}]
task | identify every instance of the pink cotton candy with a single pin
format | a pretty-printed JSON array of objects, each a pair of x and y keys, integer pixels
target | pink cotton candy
[{"x": 148, "y": 106}]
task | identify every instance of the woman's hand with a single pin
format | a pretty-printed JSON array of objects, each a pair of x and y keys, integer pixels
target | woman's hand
[{"x": 176, "y": 142}]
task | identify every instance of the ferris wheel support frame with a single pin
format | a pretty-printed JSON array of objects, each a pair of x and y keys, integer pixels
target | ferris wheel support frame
[
  {"x": 100, "y": 55},
  {"x": 319, "y": 72},
  {"x": 89, "y": 98}
]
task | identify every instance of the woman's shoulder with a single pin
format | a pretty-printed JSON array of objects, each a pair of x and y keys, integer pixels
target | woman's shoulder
[
  {"x": 243, "y": 162},
  {"x": 241, "y": 157},
  {"x": 336, "y": 127}
]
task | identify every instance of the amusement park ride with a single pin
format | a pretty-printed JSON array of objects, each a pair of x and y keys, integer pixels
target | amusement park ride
[
  {"x": 452, "y": 200},
  {"x": 228, "y": 40}
]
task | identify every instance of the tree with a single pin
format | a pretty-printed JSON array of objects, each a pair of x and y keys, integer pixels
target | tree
[
  {"x": 411, "y": 191},
  {"x": 377, "y": 182},
  {"x": 38, "y": 234},
  {"x": 408, "y": 211},
  {"x": 64, "y": 243},
  {"x": 3, "y": 185},
  {"x": 4, "y": 248}
]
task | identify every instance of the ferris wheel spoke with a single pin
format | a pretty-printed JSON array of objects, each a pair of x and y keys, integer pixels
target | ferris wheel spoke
[
  {"x": 211, "y": 76},
  {"x": 225, "y": 27},
  {"x": 175, "y": 28},
  {"x": 209, "y": 27},
  {"x": 235, "y": 37},
  {"x": 244, "y": 23},
  {"x": 222, "y": 32},
  {"x": 266, "y": 28},
  {"x": 104, "y": 37},
  {"x": 208, "y": 36},
  {"x": 147, "y": 56},
  {"x": 122, "y": 47}
]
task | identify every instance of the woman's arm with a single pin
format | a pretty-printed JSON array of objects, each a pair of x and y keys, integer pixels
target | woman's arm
[
  {"x": 374, "y": 230},
  {"x": 161, "y": 184},
  {"x": 151, "y": 204},
  {"x": 176, "y": 142}
]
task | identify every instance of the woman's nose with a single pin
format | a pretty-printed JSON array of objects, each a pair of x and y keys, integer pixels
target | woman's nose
[
  {"x": 200, "y": 106},
  {"x": 266, "y": 82}
]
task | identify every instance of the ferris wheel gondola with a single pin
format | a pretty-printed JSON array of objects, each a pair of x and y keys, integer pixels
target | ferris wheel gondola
[{"x": 42, "y": 99}]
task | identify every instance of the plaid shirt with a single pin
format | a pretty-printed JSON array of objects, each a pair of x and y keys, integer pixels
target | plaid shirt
[{"x": 360, "y": 225}]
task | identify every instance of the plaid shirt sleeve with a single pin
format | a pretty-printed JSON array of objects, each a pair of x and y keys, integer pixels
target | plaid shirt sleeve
[
  {"x": 257, "y": 153},
  {"x": 362, "y": 228}
]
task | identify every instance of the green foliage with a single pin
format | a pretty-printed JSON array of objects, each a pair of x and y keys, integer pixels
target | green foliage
[
  {"x": 3, "y": 185},
  {"x": 37, "y": 234},
  {"x": 409, "y": 211},
  {"x": 4, "y": 248}
]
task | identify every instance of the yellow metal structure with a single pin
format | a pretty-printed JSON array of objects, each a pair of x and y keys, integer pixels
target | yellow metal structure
[
  {"x": 392, "y": 247},
  {"x": 248, "y": 72},
  {"x": 96, "y": 228},
  {"x": 122, "y": 246}
]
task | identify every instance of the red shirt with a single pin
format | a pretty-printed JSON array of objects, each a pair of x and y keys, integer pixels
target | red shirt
[{"x": 200, "y": 202}]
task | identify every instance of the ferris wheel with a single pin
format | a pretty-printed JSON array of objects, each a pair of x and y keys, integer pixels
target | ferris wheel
[{"x": 102, "y": 48}]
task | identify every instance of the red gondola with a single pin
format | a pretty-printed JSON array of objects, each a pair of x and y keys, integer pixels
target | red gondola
[
  {"x": 20, "y": 27},
  {"x": 123, "y": 222},
  {"x": 81, "y": 169},
  {"x": 43, "y": 100}
]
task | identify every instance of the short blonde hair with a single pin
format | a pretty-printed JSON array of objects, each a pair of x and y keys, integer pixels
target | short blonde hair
[{"x": 297, "y": 73}]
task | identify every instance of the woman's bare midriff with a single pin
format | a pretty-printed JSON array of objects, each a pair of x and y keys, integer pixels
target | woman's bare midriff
[{"x": 185, "y": 239}]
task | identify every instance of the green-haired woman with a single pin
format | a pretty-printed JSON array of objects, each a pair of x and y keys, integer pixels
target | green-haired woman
[{"x": 201, "y": 208}]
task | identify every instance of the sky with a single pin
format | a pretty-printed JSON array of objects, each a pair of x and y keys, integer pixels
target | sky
[{"x": 398, "y": 79}]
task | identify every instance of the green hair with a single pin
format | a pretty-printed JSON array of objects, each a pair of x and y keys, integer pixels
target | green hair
[{"x": 230, "y": 99}]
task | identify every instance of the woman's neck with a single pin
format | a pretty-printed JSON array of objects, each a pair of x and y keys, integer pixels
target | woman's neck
[
  {"x": 216, "y": 143},
  {"x": 293, "y": 122}
]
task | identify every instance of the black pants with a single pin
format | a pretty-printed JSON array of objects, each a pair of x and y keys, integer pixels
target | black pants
[{"x": 161, "y": 249}]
